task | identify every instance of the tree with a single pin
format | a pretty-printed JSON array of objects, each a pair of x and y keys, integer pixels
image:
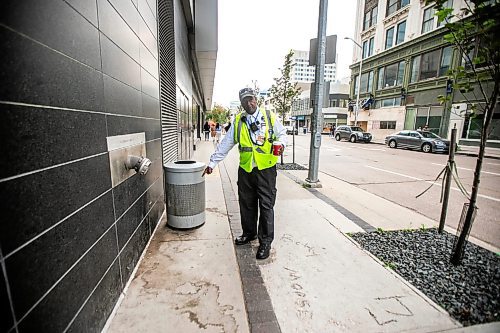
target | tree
[
  {"x": 283, "y": 91},
  {"x": 474, "y": 33},
  {"x": 219, "y": 114},
  {"x": 260, "y": 99}
]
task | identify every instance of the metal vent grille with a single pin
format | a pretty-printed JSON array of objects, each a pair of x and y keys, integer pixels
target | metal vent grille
[
  {"x": 166, "y": 41},
  {"x": 185, "y": 200}
]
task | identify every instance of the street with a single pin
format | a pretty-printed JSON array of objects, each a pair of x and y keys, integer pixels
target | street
[{"x": 399, "y": 175}]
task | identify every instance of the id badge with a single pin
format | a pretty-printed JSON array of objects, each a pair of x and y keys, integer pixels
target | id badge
[{"x": 260, "y": 140}]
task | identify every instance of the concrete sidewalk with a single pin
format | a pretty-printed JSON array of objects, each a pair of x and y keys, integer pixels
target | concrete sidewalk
[{"x": 316, "y": 279}]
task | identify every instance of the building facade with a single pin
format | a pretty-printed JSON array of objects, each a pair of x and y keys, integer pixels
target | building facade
[
  {"x": 405, "y": 63},
  {"x": 333, "y": 113},
  {"x": 302, "y": 72},
  {"x": 85, "y": 84}
]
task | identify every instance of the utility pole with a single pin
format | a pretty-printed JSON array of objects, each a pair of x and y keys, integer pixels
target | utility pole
[
  {"x": 312, "y": 178},
  {"x": 284, "y": 115}
]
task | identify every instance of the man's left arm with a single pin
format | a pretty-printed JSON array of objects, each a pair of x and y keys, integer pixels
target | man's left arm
[{"x": 280, "y": 132}]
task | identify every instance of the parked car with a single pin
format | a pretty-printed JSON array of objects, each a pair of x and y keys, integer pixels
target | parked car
[
  {"x": 290, "y": 130},
  {"x": 352, "y": 133},
  {"x": 427, "y": 142}
]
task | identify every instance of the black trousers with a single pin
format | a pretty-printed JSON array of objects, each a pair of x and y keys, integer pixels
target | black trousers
[{"x": 257, "y": 195}]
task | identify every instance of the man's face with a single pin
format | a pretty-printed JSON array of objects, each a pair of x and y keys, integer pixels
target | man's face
[{"x": 249, "y": 104}]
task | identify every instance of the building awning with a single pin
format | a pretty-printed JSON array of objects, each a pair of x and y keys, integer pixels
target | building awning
[{"x": 206, "y": 45}]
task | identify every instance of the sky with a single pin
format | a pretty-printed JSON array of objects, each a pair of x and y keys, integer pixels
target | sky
[{"x": 255, "y": 35}]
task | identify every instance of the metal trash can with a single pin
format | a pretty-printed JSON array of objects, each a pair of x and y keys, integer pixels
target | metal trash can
[{"x": 184, "y": 194}]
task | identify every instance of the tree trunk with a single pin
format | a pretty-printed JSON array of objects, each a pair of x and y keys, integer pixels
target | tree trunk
[{"x": 488, "y": 116}]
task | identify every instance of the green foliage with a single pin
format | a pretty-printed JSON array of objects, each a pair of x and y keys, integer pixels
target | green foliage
[
  {"x": 218, "y": 114},
  {"x": 422, "y": 227},
  {"x": 283, "y": 91},
  {"x": 380, "y": 230},
  {"x": 390, "y": 265}
]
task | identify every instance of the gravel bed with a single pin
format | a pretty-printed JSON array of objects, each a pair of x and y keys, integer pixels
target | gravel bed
[
  {"x": 289, "y": 166},
  {"x": 469, "y": 292}
]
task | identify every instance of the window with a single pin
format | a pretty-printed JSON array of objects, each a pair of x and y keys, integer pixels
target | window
[
  {"x": 445, "y": 61},
  {"x": 431, "y": 64},
  {"x": 395, "y": 5},
  {"x": 370, "y": 18},
  {"x": 388, "y": 102},
  {"x": 447, "y": 4},
  {"x": 415, "y": 69},
  {"x": 391, "y": 75},
  {"x": 476, "y": 52},
  {"x": 368, "y": 48},
  {"x": 387, "y": 125},
  {"x": 400, "y": 36},
  {"x": 389, "y": 38},
  {"x": 428, "y": 21},
  {"x": 366, "y": 82}
]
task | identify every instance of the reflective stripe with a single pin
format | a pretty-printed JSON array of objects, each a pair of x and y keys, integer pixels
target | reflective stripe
[
  {"x": 245, "y": 149},
  {"x": 238, "y": 131},
  {"x": 259, "y": 150}
]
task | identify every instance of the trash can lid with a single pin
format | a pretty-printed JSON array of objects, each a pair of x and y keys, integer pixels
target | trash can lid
[{"x": 184, "y": 166}]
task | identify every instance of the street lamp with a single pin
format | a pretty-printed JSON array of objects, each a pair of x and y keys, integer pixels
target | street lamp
[{"x": 359, "y": 81}]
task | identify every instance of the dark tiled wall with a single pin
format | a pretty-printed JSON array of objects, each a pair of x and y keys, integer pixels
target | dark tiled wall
[{"x": 72, "y": 74}]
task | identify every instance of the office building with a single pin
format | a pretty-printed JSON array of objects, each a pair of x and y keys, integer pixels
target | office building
[{"x": 84, "y": 85}]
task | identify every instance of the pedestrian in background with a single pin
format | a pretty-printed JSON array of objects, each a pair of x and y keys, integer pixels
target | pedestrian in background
[
  {"x": 255, "y": 132},
  {"x": 212, "y": 131},
  {"x": 206, "y": 130},
  {"x": 218, "y": 132}
]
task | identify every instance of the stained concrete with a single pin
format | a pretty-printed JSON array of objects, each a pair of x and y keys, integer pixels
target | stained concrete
[{"x": 318, "y": 280}]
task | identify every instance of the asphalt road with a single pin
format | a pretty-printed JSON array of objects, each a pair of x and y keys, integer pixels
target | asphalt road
[{"x": 399, "y": 175}]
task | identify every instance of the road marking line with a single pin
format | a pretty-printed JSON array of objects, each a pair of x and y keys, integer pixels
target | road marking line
[
  {"x": 488, "y": 172},
  {"x": 428, "y": 181},
  {"x": 379, "y": 149}
]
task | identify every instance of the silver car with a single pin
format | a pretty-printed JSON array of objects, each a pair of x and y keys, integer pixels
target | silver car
[
  {"x": 428, "y": 142},
  {"x": 352, "y": 133}
]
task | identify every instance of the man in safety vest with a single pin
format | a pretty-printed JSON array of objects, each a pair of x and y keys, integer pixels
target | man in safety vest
[{"x": 254, "y": 131}]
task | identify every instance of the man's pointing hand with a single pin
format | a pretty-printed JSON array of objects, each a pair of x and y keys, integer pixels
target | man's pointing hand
[{"x": 208, "y": 170}]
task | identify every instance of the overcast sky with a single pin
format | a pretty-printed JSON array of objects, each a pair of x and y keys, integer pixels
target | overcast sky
[{"x": 255, "y": 36}]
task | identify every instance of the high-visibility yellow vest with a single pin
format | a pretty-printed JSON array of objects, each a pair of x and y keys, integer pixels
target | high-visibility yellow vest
[{"x": 262, "y": 155}]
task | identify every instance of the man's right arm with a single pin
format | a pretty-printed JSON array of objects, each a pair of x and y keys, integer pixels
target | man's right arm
[{"x": 221, "y": 151}]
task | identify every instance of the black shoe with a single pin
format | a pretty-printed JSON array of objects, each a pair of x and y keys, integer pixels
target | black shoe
[
  {"x": 244, "y": 239},
  {"x": 263, "y": 251}
]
